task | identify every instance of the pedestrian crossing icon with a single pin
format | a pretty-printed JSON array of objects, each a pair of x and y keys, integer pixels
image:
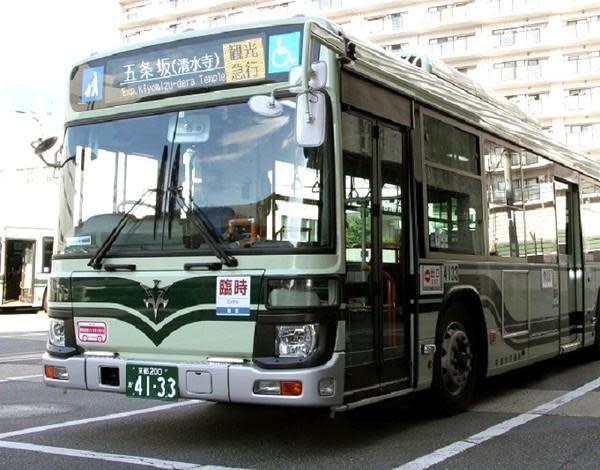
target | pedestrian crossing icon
[{"x": 92, "y": 84}]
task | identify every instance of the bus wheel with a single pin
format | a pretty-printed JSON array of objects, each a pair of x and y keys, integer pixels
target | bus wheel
[{"x": 455, "y": 366}]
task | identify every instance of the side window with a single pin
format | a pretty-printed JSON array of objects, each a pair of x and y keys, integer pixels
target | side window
[
  {"x": 358, "y": 152},
  {"x": 47, "y": 247},
  {"x": 504, "y": 181},
  {"x": 590, "y": 214},
  {"x": 538, "y": 177},
  {"x": 454, "y": 207}
]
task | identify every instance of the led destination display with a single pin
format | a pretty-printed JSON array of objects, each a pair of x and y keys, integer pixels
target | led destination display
[{"x": 189, "y": 65}]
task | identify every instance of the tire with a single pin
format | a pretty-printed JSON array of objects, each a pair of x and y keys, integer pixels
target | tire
[
  {"x": 455, "y": 361},
  {"x": 596, "y": 346}
]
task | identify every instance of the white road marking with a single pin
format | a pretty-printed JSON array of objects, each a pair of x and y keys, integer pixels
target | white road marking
[
  {"x": 22, "y": 377},
  {"x": 24, "y": 334},
  {"x": 21, "y": 357},
  {"x": 128, "y": 459},
  {"x": 458, "y": 447},
  {"x": 97, "y": 419},
  {"x": 20, "y": 353}
]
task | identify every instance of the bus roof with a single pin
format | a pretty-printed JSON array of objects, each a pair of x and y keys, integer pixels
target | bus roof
[{"x": 451, "y": 92}]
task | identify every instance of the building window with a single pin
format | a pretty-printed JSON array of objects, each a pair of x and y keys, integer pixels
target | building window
[
  {"x": 510, "y": 6},
  {"x": 534, "y": 103},
  {"x": 583, "y": 27},
  {"x": 583, "y": 63},
  {"x": 522, "y": 35},
  {"x": 582, "y": 98},
  {"x": 326, "y": 4},
  {"x": 451, "y": 45},
  {"x": 526, "y": 69},
  {"x": 375, "y": 24},
  {"x": 381, "y": 23},
  {"x": 397, "y": 49},
  {"x": 583, "y": 135},
  {"x": 397, "y": 20},
  {"x": 450, "y": 12},
  {"x": 277, "y": 10}
]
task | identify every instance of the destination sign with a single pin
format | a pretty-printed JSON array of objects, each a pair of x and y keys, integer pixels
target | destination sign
[{"x": 190, "y": 65}]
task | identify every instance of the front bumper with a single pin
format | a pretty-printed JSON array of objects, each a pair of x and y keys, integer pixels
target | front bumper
[{"x": 228, "y": 382}]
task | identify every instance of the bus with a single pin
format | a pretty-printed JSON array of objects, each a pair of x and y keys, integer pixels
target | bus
[
  {"x": 282, "y": 214},
  {"x": 25, "y": 262}
]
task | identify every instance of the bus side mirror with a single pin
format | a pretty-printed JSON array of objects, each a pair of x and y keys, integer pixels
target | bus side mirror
[
  {"x": 311, "y": 114},
  {"x": 40, "y": 146},
  {"x": 311, "y": 119}
]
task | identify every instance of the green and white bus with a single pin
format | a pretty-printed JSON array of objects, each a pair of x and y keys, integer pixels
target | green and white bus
[{"x": 281, "y": 214}]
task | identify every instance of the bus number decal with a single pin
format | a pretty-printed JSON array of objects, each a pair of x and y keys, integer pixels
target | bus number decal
[{"x": 450, "y": 273}]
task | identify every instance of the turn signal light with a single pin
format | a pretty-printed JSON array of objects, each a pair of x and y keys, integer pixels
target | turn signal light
[
  {"x": 55, "y": 372},
  {"x": 291, "y": 388},
  {"x": 275, "y": 387}
]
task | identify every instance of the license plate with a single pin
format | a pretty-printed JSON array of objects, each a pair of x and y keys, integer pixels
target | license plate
[{"x": 145, "y": 381}]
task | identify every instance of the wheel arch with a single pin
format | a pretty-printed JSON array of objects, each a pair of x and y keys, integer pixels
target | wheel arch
[{"x": 469, "y": 297}]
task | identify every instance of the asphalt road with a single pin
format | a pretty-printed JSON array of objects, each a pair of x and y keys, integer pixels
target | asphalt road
[{"x": 546, "y": 416}]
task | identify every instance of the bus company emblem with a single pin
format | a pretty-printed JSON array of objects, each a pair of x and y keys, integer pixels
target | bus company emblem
[{"x": 156, "y": 298}]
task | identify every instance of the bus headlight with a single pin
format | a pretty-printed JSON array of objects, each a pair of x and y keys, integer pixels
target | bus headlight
[
  {"x": 56, "y": 335},
  {"x": 296, "y": 340}
]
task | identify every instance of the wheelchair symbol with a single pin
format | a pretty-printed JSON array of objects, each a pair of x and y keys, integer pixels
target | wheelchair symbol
[{"x": 281, "y": 57}]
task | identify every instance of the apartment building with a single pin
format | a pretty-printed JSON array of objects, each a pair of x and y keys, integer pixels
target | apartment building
[{"x": 544, "y": 55}]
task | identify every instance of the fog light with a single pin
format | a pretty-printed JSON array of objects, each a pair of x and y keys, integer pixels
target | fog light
[
  {"x": 267, "y": 387},
  {"x": 56, "y": 334},
  {"x": 296, "y": 340},
  {"x": 327, "y": 387},
  {"x": 56, "y": 372}
]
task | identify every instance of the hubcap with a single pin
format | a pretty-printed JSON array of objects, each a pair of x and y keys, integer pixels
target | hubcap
[{"x": 456, "y": 358}]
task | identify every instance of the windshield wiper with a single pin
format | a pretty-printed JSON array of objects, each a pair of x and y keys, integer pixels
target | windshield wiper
[
  {"x": 96, "y": 261},
  {"x": 173, "y": 184},
  {"x": 198, "y": 218},
  {"x": 160, "y": 182}
]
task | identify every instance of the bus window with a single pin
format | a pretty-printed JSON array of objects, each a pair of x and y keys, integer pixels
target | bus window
[
  {"x": 505, "y": 201},
  {"x": 47, "y": 247},
  {"x": 590, "y": 213},
  {"x": 538, "y": 193},
  {"x": 454, "y": 204}
]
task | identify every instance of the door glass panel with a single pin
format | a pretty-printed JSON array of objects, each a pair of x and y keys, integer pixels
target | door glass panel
[
  {"x": 562, "y": 215},
  {"x": 357, "y": 147},
  {"x": 392, "y": 245}
]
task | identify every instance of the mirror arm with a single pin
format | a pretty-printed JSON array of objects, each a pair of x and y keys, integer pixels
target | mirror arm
[{"x": 278, "y": 88}]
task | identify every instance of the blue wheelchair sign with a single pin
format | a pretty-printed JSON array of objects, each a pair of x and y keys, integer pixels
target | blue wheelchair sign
[
  {"x": 92, "y": 85},
  {"x": 284, "y": 52}
]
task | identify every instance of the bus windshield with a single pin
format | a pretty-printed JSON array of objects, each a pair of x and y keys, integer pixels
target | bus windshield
[{"x": 241, "y": 173}]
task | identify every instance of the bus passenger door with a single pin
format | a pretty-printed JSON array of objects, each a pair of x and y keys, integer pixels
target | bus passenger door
[
  {"x": 374, "y": 182},
  {"x": 570, "y": 265}
]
